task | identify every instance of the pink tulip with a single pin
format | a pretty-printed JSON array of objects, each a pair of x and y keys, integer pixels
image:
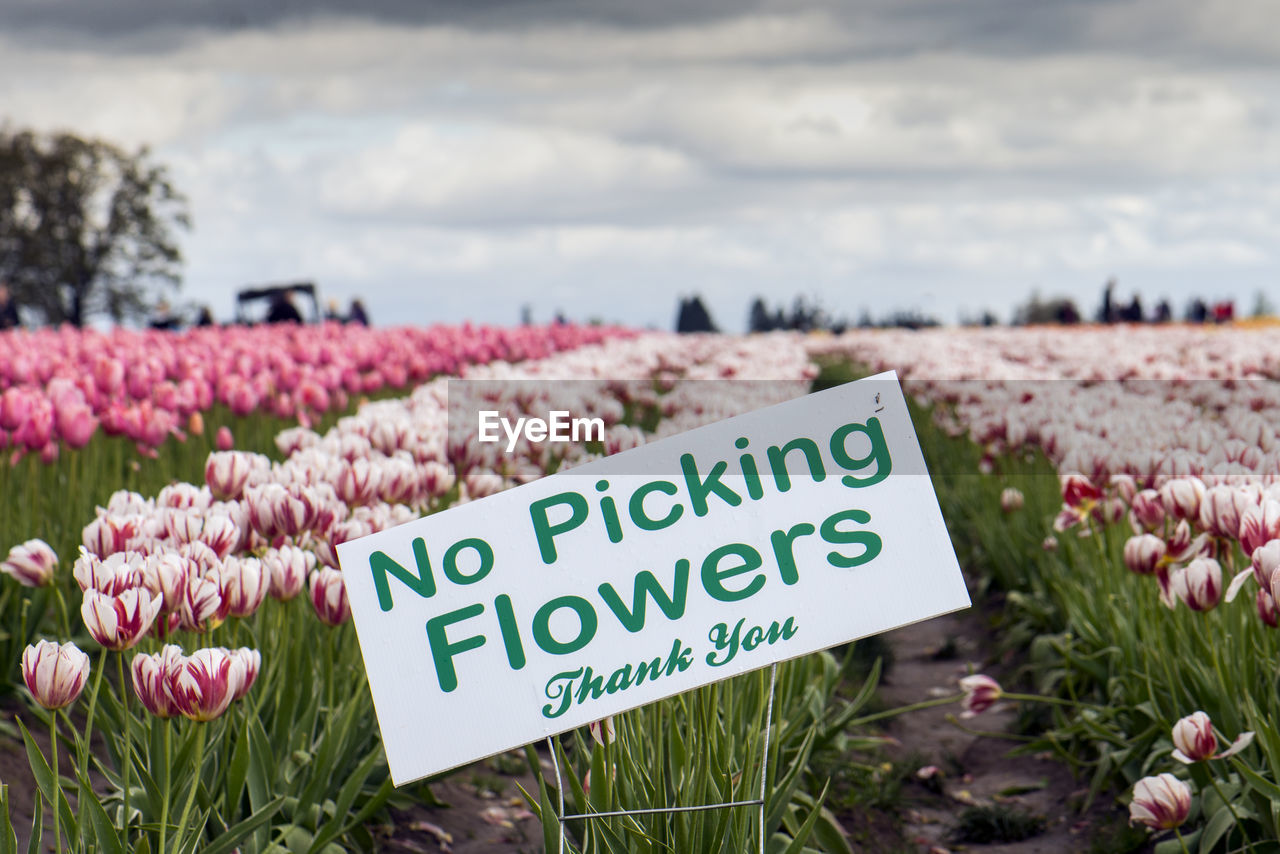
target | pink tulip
[
  {"x": 223, "y": 440},
  {"x": 55, "y": 673},
  {"x": 329, "y": 596},
  {"x": 119, "y": 622},
  {"x": 31, "y": 564},
  {"x": 1162, "y": 802}
]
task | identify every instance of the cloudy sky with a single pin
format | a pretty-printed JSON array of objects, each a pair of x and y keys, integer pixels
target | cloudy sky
[{"x": 457, "y": 160}]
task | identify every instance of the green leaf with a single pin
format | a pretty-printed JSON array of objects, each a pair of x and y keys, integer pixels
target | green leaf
[
  {"x": 238, "y": 768},
  {"x": 1221, "y": 822},
  {"x": 39, "y": 765},
  {"x": 237, "y": 832},
  {"x": 8, "y": 836},
  {"x": 346, "y": 797},
  {"x": 105, "y": 833},
  {"x": 37, "y": 831}
]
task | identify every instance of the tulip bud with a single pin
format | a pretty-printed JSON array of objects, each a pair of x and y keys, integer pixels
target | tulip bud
[
  {"x": 31, "y": 564},
  {"x": 329, "y": 596},
  {"x": 223, "y": 439},
  {"x": 1142, "y": 554},
  {"x": 980, "y": 693},
  {"x": 1193, "y": 738},
  {"x": 1161, "y": 802},
  {"x": 1199, "y": 585},
  {"x": 602, "y": 731},
  {"x": 1011, "y": 499},
  {"x": 55, "y": 673}
]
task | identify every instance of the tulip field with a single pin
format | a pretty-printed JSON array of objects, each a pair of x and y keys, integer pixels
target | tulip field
[{"x": 176, "y": 627}]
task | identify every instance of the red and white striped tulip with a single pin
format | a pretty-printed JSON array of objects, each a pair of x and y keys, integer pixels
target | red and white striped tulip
[
  {"x": 114, "y": 575},
  {"x": 119, "y": 622},
  {"x": 245, "y": 583},
  {"x": 55, "y": 673},
  {"x": 1199, "y": 584},
  {"x": 1259, "y": 525},
  {"x": 151, "y": 679},
  {"x": 288, "y": 566},
  {"x": 1143, "y": 553},
  {"x": 980, "y": 693},
  {"x": 329, "y": 596},
  {"x": 1161, "y": 802},
  {"x": 1194, "y": 740},
  {"x": 204, "y": 684},
  {"x": 252, "y": 661},
  {"x": 31, "y": 564}
]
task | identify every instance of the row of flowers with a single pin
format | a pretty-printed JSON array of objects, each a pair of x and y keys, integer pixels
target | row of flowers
[
  {"x": 192, "y": 566},
  {"x": 1164, "y": 441},
  {"x": 61, "y": 386}
]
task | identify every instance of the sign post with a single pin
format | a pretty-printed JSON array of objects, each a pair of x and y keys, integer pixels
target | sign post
[{"x": 688, "y": 560}]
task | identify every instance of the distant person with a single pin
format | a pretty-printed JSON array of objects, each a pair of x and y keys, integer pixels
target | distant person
[
  {"x": 8, "y": 309},
  {"x": 283, "y": 310},
  {"x": 205, "y": 317},
  {"x": 331, "y": 311},
  {"x": 163, "y": 317},
  {"x": 357, "y": 314}
]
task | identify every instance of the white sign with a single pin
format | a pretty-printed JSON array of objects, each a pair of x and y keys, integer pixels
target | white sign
[{"x": 749, "y": 541}]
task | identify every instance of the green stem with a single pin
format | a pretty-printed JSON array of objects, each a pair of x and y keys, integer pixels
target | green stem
[
  {"x": 1181, "y": 841},
  {"x": 1008, "y": 736},
  {"x": 1040, "y": 698},
  {"x": 127, "y": 753},
  {"x": 93, "y": 706},
  {"x": 164, "y": 784},
  {"x": 914, "y": 707},
  {"x": 62, "y": 610},
  {"x": 57, "y": 784},
  {"x": 201, "y": 727}
]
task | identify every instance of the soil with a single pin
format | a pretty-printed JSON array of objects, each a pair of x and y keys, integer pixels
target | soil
[{"x": 481, "y": 810}]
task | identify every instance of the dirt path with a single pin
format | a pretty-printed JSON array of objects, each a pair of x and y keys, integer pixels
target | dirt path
[{"x": 1019, "y": 792}]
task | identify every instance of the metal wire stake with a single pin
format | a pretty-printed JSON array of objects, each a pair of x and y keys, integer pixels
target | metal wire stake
[{"x": 561, "y": 818}]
